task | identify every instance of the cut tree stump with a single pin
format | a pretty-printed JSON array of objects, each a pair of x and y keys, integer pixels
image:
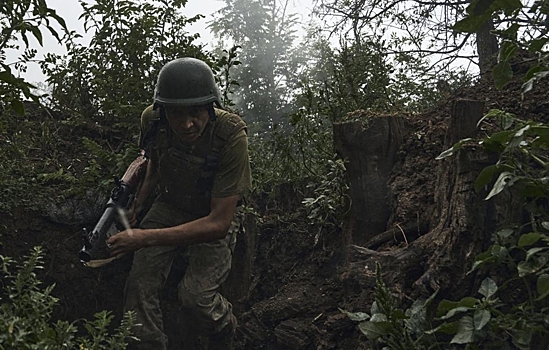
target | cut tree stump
[
  {"x": 369, "y": 145},
  {"x": 460, "y": 227}
]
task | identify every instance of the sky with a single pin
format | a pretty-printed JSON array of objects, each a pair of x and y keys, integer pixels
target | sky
[{"x": 70, "y": 10}]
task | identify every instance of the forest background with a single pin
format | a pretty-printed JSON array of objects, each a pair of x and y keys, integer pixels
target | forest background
[{"x": 388, "y": 56}]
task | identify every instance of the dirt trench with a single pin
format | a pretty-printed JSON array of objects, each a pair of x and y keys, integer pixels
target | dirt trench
[{"x": 299, "y": 280}]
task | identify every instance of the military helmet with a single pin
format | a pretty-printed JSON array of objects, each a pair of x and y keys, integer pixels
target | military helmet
[{"x": 186, "y": 82}]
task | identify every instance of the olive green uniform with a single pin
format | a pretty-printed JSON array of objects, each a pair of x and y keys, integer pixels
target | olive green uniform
[{"x": 188, "y": 179}]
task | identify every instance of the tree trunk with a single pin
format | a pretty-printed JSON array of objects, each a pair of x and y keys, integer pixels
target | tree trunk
[
  {"x": 487, "y": 47},
  {"x": 369, "y": 149},
  {"x": 460, "y": 226}
]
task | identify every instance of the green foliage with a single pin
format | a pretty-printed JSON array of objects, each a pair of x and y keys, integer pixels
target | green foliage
[
  {"x": 30, "y": 150},
  {"x": 522, "y": 147},
  {"x": 336, "y": 82},
  {"x": 98, "y": 92},
  {"x": 26, "y": 309},
  {"x": 22, "y": 20},
  {"x": 390, "y": 327},
  {"x": 524, "y": 36},
  {"x": 478, "y": 323},
  {"x": 303, "y": 155},
  {"x": 111, "y": 80},
  {"x": 518, "y": 254},
  {"x": 223, "y": 67},
  {"x": 331, "y": 200},
  {"x": 104, "y": 164},
  {"x": 491, "y": 323}
]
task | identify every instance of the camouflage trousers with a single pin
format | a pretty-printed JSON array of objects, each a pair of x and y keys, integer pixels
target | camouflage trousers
[{"x": 209, "y": 266}]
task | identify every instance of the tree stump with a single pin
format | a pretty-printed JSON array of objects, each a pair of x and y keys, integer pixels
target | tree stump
[
  {"x": 459, "y": 228},
  {"x": 369, "y": 146}
]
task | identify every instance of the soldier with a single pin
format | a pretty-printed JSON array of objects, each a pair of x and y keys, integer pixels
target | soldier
[{"x": 198, "y": 172}]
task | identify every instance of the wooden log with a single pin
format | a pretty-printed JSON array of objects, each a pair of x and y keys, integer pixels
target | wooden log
[{"x": 399, "y": 233}]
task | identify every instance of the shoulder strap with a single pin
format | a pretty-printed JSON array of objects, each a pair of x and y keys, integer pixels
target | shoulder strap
[
  {"x": 150, "y": 139},
  {"x": 229, "y": 124}
]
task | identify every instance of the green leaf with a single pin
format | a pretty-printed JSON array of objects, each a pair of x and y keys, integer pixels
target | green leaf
[
  {"x": 532, "y": 72},
  {"x": 542, "y": 286},
  {"x": 446, "y": 305},
  {"x": 501, "y": 137},
  {"x": 507, "y": 49},
  {"x": 502, "y": 74},
  {"x": 445, "y": 328},
  {"x": 481, "y": 318},
  {"x": 479, "y": 7},
  {"x": 465, "y": 331},
  {"x": 37, "y": 34},
  {"x": 532, "y": 265},
  {"x": 470, "y": 24},
  {"x": 505, "y": 233},
  {"x": 485, "y": 176},
  {"x": 528, "y": 85},
  {"x": 468, "y": 302},
  {"x": 537, "y": 44},
  {"x": 505, "y": 119},
  {"x": 534, "y": 251},
  {"x": 455, "y": 311},
  {"x": 417, "y": 315},
  {"x": 452, "y": 150},
  {"x": 356, "y": 316},
  {"x": 374, "y": 330},
  {"x": 18, "y": 107},
  {"x": 504, "y": 178},
  {"x": 378, "y": 317},
  {"x": 488, "y": 288},
  {"x": 500, "y": 252},
  {"x": 481, "y": 260},
  {"x": 528, "y": 239},
  {"x": 507, "y": 5},
  {"x": 7, "y": 77},
  {"x": 398, "y": 314}
]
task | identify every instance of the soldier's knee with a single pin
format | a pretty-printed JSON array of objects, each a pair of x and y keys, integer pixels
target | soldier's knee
[
  {"x": 209, "y": 310},
  {"x": 197, "y": 303}
]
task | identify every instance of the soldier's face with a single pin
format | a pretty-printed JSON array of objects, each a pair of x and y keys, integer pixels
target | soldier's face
[{"x": 188, "y": 122}]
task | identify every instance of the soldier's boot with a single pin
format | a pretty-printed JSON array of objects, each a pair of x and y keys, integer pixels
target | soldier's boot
[{"x": 224, "y": 340}]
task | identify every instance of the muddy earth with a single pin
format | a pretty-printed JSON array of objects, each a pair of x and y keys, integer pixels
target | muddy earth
[{"x": 299, "y": 281}]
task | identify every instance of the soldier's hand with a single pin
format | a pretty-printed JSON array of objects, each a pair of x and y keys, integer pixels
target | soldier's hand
[{"x": 126, "y": 241}]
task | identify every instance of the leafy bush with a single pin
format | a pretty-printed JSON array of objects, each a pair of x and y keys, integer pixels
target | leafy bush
[
  {"x": 21, "y": 20},
  {"x": 111, "y": 80},
  {"x": 26, "y": 309}
]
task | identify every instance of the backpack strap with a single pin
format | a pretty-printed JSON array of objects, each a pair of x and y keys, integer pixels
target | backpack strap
[
  {"x": 227, "y": 125},
  {"x": 151, "y": 137}
]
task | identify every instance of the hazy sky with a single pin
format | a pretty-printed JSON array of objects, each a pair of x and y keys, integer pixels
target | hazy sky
[{"x": 70, "y": 10}]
